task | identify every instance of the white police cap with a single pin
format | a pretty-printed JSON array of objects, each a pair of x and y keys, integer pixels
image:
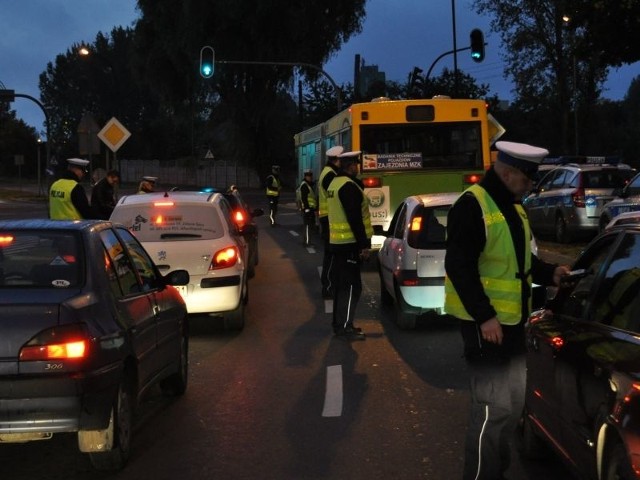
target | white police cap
[
  {"x": 335, "y": 151},
  {"x": 308, "y": 171},
  {"x": 78, "y": 162},
  {"x": 525, "y": 158},
  {"x": 148, "y": 178},
  {"x": 349, "y": 157}
]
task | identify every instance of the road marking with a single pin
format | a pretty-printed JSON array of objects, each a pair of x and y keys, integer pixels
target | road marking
[
  {"x": 311, "y": 249},
  {"x": 333, "y": 393},
  {"x": 294, "y": 233}
]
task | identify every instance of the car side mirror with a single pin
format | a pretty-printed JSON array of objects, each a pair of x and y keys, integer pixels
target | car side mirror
[{"x": 177, "y": 277}]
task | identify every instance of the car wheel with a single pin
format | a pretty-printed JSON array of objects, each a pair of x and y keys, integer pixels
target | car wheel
[
  {"x": 618, "y": 466},
  {"x": 562, "y": 232},
  {"x": 234, "y": 320},
  {"x": 404, "y": 320},
  {"x": 176, "y": 384},
  {"x": 118, "y": 433},
  {"x": 532, "y": 445}
]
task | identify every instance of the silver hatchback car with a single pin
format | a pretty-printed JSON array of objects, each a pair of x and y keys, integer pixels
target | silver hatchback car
[{"x": 568, "y": 200}]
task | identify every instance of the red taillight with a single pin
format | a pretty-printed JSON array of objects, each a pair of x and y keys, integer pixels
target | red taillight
[
  {"x": 238, "y": 217},
  {"x": 227, "y": 257},
  {"x": 163, "y": 203},
  {"x": 60, "y": 343},
  {"x": 371, "y": 182},
  {"x": 471, "y": 178},
  {"x": 6, "y": 240},
  {"x": 557, "y": 342},
  {"x": 577, "y": 198}
]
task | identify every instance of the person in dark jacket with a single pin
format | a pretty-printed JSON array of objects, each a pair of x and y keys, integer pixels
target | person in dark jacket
[
  {"x": 67, "y": 198},
  {"x": 489, "y": 271},
  {"x": 103, "y": 198},
  {"x": 327, "y": 174},
  {"x": 350, "y": 234}
]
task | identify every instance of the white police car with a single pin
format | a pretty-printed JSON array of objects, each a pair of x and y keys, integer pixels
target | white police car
[
  {"x": 411, "y": 259},
  {"x": 628, "y": 201}
]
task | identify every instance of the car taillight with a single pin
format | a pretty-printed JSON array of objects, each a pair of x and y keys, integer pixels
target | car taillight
[
  {"x": 59, "y": 343},
  {"x": 416, "y": 224},
  {"x": 238, "y": 217},
  {"x": 225, "y": 258},
  {"x": 577, "y": 198}
]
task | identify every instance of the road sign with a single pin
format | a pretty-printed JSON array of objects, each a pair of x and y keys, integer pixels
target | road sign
[
  {"x": 114, "y": 134},
  {"x": 495, "y": 129},
  {"x": 209, "y": 155}
]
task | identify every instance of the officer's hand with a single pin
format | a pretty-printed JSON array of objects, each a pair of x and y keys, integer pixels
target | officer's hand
[
  {"x": 559, "y": 272},
  {"x": 491, "y": 331},
  {"x": 364, "y": 254}
]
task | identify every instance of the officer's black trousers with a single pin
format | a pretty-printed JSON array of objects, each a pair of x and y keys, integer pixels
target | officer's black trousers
[
  {"x": 273, "y": 208},
  {"x": 345, "y": 276},
  {"x": 325, "y": 275}
]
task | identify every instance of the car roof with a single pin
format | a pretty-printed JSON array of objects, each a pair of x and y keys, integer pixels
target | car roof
[
  {"x": 183, "y": 197},
  {"x": 45, "y": 223},
  {"x": 436, "y": 199}
]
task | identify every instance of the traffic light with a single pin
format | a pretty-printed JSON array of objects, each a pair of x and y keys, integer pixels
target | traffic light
[
  {"x": 477, "y": 45},
  {"x": 207, "y": 61}
]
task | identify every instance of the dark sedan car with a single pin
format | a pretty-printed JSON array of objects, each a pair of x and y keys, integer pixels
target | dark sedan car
[
  {"x": 583, "y": 363},
  {"x": 88, "y": 324}
]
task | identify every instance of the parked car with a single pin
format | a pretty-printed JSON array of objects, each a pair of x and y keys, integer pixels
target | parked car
[
  {"x": 628, "y": 201},
  {"x": 568, "y": 201},
  {"x": 243, "y": 215},
  {"x": 624, "y": 219},
  {"x": 411, "y": 259},
  {"x": 583, "y": 363},
  {"x": 194, "y": 231},
  {"x": 88, "y": 326}
]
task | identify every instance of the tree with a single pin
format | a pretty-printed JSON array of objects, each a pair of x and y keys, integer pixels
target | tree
[{"x": 170, "y": 34}]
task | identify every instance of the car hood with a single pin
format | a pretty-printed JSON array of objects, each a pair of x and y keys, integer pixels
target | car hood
[{"x": 24, "y": 314}]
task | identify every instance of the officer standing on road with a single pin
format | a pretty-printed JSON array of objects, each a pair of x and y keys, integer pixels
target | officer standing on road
[
  {"x": 350, "y": 234},
  {"x": 489, "y": 270},
  {"x": 308, "y": 205},
  {"x": 103, "y": 197},
  {"x": 328, "y": 173},
  {"x": 67, "y": 198},
  {"x": 273, "y": 186}
]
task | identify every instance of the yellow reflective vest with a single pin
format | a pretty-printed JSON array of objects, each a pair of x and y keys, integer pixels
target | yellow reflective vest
[
  {"x": 60, "y": 205},
  {"x": 339, "y": 229},
  {"x": 497, "y": 265},
  {"x": 273, "y": 186},
  {"x": 323, "y": 209}
]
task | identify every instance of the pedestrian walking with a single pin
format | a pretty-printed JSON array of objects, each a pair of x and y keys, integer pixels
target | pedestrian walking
[
  {"x": 103, "y": 195},
  {"x": 350, "y": 234},
  {"x": 327, "y": 174},
  {"x": 67, "y": 198},
  {"x": 273, "y": 187},
  {"x": 489, "y": 271},
  {"x": 306, "y": 196}
]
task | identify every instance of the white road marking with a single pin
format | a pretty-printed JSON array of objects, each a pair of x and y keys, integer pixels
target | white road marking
[
  {"x": 333, "y": 392},
  {"x": 294, "y": 233},
  {"x": 311, "y": 249}
]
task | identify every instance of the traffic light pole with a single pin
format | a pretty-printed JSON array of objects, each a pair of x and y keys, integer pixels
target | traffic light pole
[
  {"x": 442, "y": 56},
  {"x": 293, "y": 64}
]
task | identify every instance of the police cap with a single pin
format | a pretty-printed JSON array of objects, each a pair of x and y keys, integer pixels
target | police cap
[{"x": 521, "y": 156}]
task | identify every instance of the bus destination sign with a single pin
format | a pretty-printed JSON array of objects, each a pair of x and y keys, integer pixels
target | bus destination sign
[{"x": 392, "y": 161}]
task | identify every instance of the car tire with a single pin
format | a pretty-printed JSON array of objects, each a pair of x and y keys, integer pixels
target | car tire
[
  {"x": 533, "y": 447},
  {"x": 618, "y": 466},
  {"x": 561, "y": 230},
  {"x": 119, "y": 431},
  {"x": 404, "y": 320},
  {"x": 176, "y": 383}
]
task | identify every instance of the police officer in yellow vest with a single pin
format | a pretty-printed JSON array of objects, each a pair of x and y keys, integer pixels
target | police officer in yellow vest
[
  {"x": 489, "y": 270},
  {"x": 350, "y": 234},
  {"x": 67, "y": 198},
  {"x": 273, "y": 187},
  {"x": 308, "y": 205},
  {"x": 327, "y": 174}
]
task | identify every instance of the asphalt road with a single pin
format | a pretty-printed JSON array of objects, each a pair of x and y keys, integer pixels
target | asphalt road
[{"x": 284, "y": 399}]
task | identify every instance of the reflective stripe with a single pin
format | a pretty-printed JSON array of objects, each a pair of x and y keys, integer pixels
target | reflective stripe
[{"x": 497, "y": 265}]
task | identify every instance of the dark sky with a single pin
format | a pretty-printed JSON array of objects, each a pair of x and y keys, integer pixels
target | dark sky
[{"x": 397, "y": 35}]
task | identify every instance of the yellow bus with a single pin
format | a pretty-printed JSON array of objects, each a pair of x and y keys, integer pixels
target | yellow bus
[{"x": 408, "y": 147}]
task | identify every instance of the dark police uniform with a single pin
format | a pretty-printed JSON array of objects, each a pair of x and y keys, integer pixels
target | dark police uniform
[{"x": 308, "y": 206}]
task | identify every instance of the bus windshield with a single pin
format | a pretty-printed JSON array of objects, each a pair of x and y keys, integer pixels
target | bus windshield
[{"x": 451, "y": 145}]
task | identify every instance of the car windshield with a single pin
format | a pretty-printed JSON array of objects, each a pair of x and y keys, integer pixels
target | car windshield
[
  {"x": 155, "y": 223},
  {"x": 609, "y": 178},
  {"x": 39, "y": 258},
  {"x": 428, "y": 227}
]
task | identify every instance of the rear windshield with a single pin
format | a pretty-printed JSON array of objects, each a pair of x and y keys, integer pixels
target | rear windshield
[
  {"x": 152, "y": 223},
  {"x": 39, "y": 259},
  {"x": 428, "y": 227},
  {"x": 609, "y": 178}
]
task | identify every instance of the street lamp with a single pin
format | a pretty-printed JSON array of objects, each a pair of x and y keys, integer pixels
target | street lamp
[{"x": 566, "y": 19}]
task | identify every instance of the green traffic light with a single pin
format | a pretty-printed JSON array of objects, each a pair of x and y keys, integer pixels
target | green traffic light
[
  {"x": 207, "y": 61},
  {"x": 207, "y": 71}
]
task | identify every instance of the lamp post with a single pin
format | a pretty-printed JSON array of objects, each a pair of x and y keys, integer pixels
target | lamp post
[{"x": 566, "y": 19}]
